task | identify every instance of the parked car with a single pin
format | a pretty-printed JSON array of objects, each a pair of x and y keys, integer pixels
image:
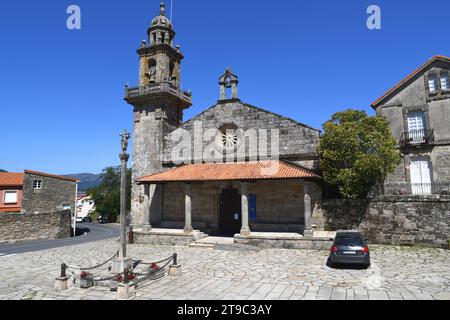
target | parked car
[
  {"x": 79, "y": 220},
  {"x": 349, "y": 248},
  {"x": 87, "y": 219}
]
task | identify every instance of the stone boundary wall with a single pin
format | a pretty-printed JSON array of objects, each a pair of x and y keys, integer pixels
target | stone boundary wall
[
  {"x": 389, "y": 220},
  {"x": 26, "y": 227}
]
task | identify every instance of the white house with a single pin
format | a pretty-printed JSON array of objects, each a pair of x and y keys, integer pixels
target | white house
[{"x": 85, "y": 206}]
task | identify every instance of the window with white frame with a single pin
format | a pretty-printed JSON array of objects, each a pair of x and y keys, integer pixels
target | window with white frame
[
  {"x": 37, "y": 184},
  {"x": 445, "y": 82},
  {"x": 10, "y": 197},
  {"x": 432, "y": 83}
]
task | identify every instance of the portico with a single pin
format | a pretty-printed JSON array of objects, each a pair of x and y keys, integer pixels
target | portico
[{"x": 234, "y": 198}]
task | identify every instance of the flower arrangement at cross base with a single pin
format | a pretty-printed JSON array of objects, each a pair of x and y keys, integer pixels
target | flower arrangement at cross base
[{"x": 120, "y": 278}]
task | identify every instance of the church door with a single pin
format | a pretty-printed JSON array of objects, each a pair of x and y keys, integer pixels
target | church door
[{"x": 230, "y": 212}]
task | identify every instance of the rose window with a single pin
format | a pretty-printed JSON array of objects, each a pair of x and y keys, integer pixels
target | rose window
[
  {"x": 228, "y": 137},
  {"x": 230, "y": 140}
]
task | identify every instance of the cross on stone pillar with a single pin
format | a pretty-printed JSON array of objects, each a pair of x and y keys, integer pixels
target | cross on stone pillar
[
  {"x": 188, "y": 208},
  {"x": 147, "y": 227},
  {"x": 245, "y": 230},
  {"x": 308, "y": 232}
]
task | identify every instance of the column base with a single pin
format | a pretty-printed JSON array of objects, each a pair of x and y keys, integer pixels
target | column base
[
  {"x": 309, "y": 232},
  {"x": 245, "y": 232},
  {"x": 126, "y": 291},
  {"x": 62, "y": 283},
  {"x": 120, "y": 264},
  {"x": 146, "y": 228},
  {"x": 188, "y": 230}
]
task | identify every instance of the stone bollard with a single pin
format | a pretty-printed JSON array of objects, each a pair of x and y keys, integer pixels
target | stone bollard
[
  {"x": 127, "y": 289},
  {"x": 175, "y": 268},
  {"x": 62, "y": 282}
]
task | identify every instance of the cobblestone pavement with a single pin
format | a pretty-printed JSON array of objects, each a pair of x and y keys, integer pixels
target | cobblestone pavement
[{"x": 396, "y": 273}]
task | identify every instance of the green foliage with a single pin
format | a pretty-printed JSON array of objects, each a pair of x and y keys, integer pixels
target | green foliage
[
  {"x": 356, "y": 152},
  {"x": 107, "y": 194}
]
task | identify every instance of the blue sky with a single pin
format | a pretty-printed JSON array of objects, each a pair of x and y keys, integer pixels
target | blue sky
[{"x": 62, "y": 91}]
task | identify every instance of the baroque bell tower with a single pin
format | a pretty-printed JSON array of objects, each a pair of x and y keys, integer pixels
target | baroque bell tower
[{"x": 158, "y": 104}]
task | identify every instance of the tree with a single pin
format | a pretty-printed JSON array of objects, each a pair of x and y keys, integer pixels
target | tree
[
  {"x": 357, "y": 152},
  {"x": 107, "y": 194}
]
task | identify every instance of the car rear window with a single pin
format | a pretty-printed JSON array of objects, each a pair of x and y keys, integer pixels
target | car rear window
[{"x": 349, "y": 240}]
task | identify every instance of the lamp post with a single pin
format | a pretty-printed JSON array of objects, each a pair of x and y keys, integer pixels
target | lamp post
[{"x": 123, "y": 262}]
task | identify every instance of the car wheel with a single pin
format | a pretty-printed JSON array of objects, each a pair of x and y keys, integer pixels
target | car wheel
[{"x": 330, "y": 264}]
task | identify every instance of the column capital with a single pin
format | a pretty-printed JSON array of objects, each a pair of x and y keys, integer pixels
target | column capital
[{"x": 124, "y": 157}]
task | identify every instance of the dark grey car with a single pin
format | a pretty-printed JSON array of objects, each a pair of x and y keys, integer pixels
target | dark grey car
[{"x": 349, "y": 248}]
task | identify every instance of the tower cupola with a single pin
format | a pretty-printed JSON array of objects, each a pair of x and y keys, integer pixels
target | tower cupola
[{"x": 161, "y": 30}]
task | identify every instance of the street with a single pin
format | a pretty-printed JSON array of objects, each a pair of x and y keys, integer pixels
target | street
[{"x": 92, "y": 232}]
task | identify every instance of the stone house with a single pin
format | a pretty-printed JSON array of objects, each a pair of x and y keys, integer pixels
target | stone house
[
  {"x": 232, "y": 169},
  {"x": 35, "y": 192},
  {"x": 418, "y": 110}
]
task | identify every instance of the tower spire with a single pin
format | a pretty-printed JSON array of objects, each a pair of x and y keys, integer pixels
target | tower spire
[{"x": 162, "y": 9}]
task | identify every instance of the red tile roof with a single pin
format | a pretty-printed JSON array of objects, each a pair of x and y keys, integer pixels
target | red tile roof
[
  {"x": 401, "y": 83},
  {"x": 263, "y": 170},
  {"x": 9, "y": 179},
  {"x": 52, "y": 176}
]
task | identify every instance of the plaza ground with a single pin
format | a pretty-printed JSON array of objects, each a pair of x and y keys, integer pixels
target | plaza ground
[{"x": 239, "y": 273}]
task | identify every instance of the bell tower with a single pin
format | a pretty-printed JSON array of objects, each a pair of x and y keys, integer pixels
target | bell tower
[{"x": 158, "y": 104}]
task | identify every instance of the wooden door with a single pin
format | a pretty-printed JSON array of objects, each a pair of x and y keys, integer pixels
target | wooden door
[{"x": 230, "y": 212}]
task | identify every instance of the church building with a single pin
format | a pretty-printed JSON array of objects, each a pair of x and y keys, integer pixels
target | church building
[{"x": 234, "y": 169}]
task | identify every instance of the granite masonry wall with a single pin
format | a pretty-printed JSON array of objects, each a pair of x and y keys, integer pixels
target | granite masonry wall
[
  {"x": 297, "y": 142},
  {"x": 389, "y": 220},
  {"x": 54, "y": 195},
  {"x": 25, "y": 227}
]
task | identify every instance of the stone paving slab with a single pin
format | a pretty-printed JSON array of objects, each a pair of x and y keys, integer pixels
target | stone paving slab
[{"x": 397, "y": 273}]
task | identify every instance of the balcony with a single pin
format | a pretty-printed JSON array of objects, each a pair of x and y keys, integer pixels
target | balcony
[
  {"x": 417, "y": 138},
  {"x": 412, "y": 189},
  {"x": 147, "y": 93}
]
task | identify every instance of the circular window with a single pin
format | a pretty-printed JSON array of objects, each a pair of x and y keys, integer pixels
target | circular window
[{"x": 228, "y": 137}]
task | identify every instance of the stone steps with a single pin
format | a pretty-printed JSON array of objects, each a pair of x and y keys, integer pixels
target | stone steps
[{"x": 201, "y": 245}]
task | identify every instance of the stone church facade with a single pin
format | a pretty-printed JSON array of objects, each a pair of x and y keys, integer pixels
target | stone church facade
[{"x": 235, "y": 168}]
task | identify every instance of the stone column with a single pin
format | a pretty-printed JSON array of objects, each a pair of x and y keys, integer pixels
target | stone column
[
  {"x": 234, "y": 91},
  {"x": 188, "y": 208},
  {"x": 223, "y": 92},
  {"x": 123, "y": 262},
  {"x": 308, "y": 232},
  {"x": 147, "y": 226},
  {"x": 245, "y": 230}
]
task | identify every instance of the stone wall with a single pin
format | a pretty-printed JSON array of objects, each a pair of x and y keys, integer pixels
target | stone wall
[
  {"x": 389, "y": 220},
  {"x": 25, "y": 227},
  {"x": 54, "y": 195},
  {"x": 296, "y": 141}
]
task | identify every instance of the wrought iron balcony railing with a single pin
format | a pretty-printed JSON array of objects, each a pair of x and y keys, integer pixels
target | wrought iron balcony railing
[
  {"x": 412, "y": 189},
  {"x": 417, "y": 137}
]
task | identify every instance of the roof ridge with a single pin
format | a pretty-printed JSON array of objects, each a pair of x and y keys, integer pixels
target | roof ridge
[
  {"x": 52, "y": 176},
  {"x": 409, "y": 77}
]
